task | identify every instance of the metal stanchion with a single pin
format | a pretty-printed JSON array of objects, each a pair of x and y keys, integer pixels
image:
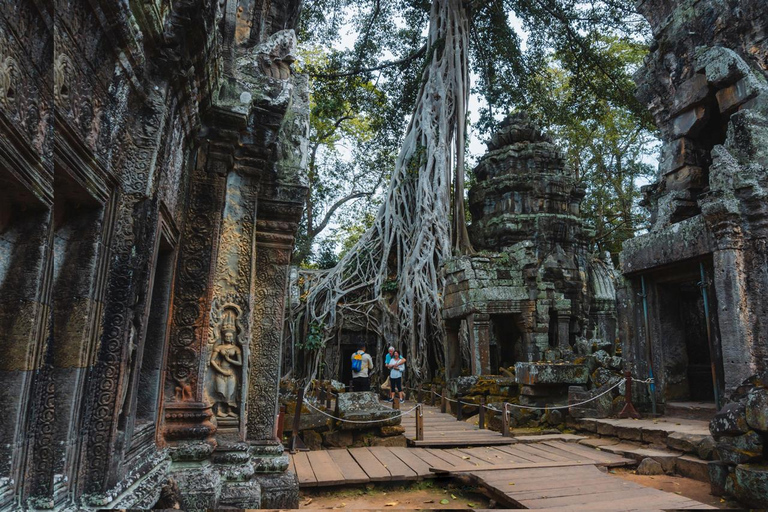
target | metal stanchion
[
  {"x": 481, "y": 413},
  {"x": 629, "y": 410},
  {"x": 505, "y": 420}
]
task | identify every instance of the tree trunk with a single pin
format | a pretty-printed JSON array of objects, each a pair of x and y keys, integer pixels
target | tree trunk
[{"x": 411, "y": 235}]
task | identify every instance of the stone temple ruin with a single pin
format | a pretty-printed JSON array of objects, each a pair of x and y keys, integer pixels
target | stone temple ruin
[
  {"x": 532, "y": 290},
  {"x": 152, "y": 163},
  {"x": 145, "y": 251}
]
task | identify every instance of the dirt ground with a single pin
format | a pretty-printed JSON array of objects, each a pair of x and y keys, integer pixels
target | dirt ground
[
  {"x": 429, "y": 494},
  {"x": 687, "y": 487}
]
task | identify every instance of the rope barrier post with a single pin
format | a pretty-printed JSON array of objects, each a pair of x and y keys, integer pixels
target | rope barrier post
[
  {"x": 321, "y": 394},
  {"x": 629, "y": 410},
  {"x": 328, "y": 395},
  {"x": 432, "y": 395},
  {"x": 505, "y": 420},
  {"x": 481, "y": 414},
  {"x": 296, "y": 443},
  {"x": 459, "y": 410},
  {"x": 396, "y": 402},
  {"x": 443, "y": 402},
  {"x": 420, "y": 395},
  {"x": 420, "y": 423}
]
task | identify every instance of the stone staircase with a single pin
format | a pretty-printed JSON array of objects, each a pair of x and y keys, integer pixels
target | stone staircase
[{"x": 681, "y": 445}]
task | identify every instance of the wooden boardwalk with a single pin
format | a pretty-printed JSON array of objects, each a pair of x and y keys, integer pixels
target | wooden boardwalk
[
  {"x": 382, "y": 464},
  {"x": 548, "y": 475},
  {"x": 443, "y": 430},
  {"x": 580, "y": 488}
]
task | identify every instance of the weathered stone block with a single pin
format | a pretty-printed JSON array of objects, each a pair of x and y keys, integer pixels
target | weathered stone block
[
  {"x": 692, "y": 467},
  {"x": 689, "y": 93},
  {"x": 393, "y": 430},
  {"x": 756, "y": 407},
  {"x": 707, "y": 449},
  {"x": 740, "y": 449},
  {"x": 312, "y": 439},
  {"x": 690, "y": 122},
  {"x": 392, "y": 442},
  {"x": 649, "y": 466},
  {"x": 686, "y": 177},
  {"x": 543, "y": 373},
  {"x": 732, "y": 96},
  {"x": 722, "y": 66},
  {"x": 731, "y": 420},
  {"x": 364, "y": 406},
  {"x": 751, "y": 484},
  {"x": 338, "y": 439},
  {"x": 718, "y": 474},
  {"x": 688, "y": 443},
  {"x": 677, "y": 153}
]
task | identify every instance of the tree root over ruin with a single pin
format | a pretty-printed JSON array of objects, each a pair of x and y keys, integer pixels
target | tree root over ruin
[{"x": 391, "y": 278}]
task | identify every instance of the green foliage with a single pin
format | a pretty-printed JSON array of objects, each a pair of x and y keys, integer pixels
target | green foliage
[
  {"x": 314, "y": 339},
  {"x": 568, "y": 63}
]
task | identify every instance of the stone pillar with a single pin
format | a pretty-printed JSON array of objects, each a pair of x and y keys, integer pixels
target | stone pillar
[
  {"x": 452, "y": 349},
  {"x": 274, "y": 244},
  {"x": 479, "y": 343},
  {"x": 188, "y": 417},
  {"x": 563, "y": 331},
  {"x": 732, "y": 277}
]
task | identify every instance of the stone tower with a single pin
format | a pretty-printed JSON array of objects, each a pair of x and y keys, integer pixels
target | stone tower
[{"x": 528, "y": 289}]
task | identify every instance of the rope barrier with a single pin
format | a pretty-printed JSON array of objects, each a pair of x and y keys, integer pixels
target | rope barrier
[
  {"x": 490, "y": 407},
  {"x": 546, "y": 408},
  {"x": 363, "y": 421}
]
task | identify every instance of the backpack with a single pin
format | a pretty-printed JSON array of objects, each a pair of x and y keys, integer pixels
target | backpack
[{"x": 357, "y": 362}]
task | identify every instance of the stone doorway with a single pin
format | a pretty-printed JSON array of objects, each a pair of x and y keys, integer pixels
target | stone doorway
[
  {"x": 683, "y": 337},
  {"x": 506, "y": 341}
]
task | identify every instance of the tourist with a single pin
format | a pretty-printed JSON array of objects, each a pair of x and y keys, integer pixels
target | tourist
[
  {"x": 388, "y": 357},
  {"x": 396, "y": 368},
  {"x": 361, "y": 365}
]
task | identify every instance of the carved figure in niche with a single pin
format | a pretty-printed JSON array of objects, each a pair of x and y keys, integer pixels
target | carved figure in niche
[
  {"x": 226, "y": 359},
  {"x": 184, "y": 390}
]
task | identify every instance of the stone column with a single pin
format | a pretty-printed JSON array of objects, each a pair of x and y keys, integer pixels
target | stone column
[
  {"x": 274, "y": 244},
  {"x": 479, "y": 343},
  {"x": 187, "y": 416},
  {"x": 732, "y": 277},
  {"x": 452, "y": 349}
]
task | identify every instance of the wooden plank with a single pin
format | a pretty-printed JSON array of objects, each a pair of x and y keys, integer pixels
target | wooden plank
[
  {"x": 605, "y": 459},
  {"x": 396, "y": 467},
  {"x": 428, "y": 456},
  {"x": 353, "y": 473},
  {"x": 514, "y": 452},
  {"x": 595, "y": 495},
  {"x": 474, "y": 469},
  {"x": 572, "y": 490},
  {"x": 541, "y": 453},
  {"x": 370, "y": 464},
  {"x": 583, "y": 472},
  {"x": 488, "y": 454},
  {"x": 454, "y": 459},
  {"x": 326, "y": 471},
  {"x": 304, "y": 470},
  {"x": 413, "y": 461}
]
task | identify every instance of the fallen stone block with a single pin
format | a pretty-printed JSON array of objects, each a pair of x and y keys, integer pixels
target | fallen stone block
[
  {"x": 649, "y": 466},
  {"x": 718, "y": 473},
  {"x": 757, "y": 409},
  {"x": 731, "y": 420},
  {"x": 740, "y": 449},
  {"x": 751, "y": 484}
]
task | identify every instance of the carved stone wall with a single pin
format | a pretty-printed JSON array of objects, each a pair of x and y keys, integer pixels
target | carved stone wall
[{"x": 177, "y": 131}]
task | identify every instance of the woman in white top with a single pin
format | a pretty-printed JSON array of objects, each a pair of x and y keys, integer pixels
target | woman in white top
[{"x": 396, "y": 368}]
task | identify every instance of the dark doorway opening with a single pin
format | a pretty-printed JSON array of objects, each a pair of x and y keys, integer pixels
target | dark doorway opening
[
  {"x": 506, "y": 342},
  {"x": 682, "y": 331}
]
